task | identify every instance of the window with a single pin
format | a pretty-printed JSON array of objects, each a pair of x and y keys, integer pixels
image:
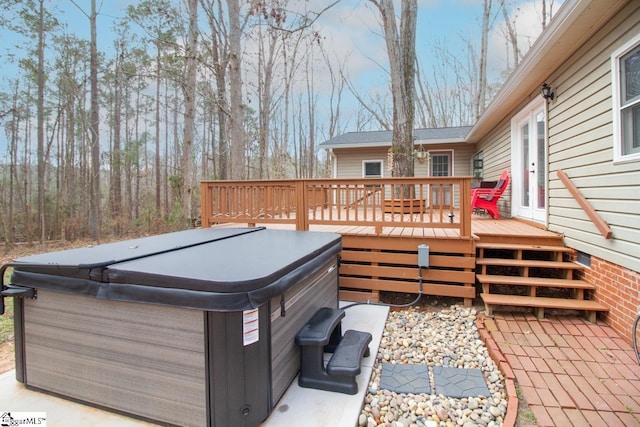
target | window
[
  {"x": 440, "y": 163},
  {"x": 477, "y": 165},
  {"x": 372, "y": 168},
  {"x": 625, "y": 66}
]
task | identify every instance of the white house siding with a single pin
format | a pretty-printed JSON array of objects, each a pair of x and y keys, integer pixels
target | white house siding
[
  {"x": 349, "y": 161},
  {"x": 496, "y": 152},
  {"x": 581, "y": 144}
]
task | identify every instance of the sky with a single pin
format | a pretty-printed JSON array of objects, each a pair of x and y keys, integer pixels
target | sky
[{"x": 351, "y": 29}]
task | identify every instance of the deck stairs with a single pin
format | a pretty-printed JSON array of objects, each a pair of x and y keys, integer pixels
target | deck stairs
[{"x": 538, "y": 276}]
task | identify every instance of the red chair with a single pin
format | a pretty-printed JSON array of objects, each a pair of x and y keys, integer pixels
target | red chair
[{"x": 487, "y": 198}]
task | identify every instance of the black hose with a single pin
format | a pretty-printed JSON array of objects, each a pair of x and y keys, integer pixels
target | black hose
[{"x": 409, "y": 304}]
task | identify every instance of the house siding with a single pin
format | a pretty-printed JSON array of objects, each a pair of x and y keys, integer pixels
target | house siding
[
  {"x": 581, "y": 144},
  {"x": 349, "y": 160},
  {"x": 496, "y": 152}
]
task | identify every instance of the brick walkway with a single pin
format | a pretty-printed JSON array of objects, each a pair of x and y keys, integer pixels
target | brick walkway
[{"x": 569, "y": 371}]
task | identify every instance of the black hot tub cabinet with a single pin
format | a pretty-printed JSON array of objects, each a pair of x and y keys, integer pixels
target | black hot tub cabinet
[{"x": 193, "y": 328}]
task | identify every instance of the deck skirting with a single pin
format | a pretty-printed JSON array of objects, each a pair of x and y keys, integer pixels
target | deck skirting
[{"x": 390, "y": 263}]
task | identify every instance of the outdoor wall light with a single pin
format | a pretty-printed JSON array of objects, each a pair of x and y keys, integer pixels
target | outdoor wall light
[{"x": 547, "y": 92}]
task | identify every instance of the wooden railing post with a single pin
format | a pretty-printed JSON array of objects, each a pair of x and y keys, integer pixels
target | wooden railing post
[
  {"x": 465, "y": 207},
  {"x": 205, "y": 205},
  {"x": 302, "y": 209}
]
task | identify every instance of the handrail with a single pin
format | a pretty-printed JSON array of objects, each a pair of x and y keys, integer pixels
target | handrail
[
  {"x": 594, "y": 216},
  {"x": 442, "y": 202}
]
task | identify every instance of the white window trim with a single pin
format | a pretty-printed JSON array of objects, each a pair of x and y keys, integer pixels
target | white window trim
[
  {"x": 451, "y": 159},
  {"x": 373, "y": 161},
  {"x": 526, "y": 115},
  {"x": 618, "y": 157}
]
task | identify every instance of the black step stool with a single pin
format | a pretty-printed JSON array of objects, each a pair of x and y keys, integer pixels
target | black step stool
[{"x": 323, "y": 333}]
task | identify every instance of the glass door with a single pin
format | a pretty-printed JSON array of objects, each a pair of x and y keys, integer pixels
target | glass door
[
  {"x": 529, "y": 164},
  {"x": 440, "y": 166}
]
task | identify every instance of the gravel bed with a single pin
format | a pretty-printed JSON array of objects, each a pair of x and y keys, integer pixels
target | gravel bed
[{"x": 448, "y": 337}]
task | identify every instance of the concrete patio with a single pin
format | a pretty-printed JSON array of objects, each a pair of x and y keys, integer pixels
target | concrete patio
[{"x": 298, "y": 406}]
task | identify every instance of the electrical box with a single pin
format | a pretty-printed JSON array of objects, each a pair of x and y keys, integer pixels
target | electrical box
[{"x": 423, "y": 256}]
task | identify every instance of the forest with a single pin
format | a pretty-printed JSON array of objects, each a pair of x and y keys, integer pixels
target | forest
[{"x": 114, "y": 143}]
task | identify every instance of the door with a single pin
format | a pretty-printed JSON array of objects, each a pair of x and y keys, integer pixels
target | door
[
  {"x": 440, "y": 165},
  {"x": 529, "y": 157}
]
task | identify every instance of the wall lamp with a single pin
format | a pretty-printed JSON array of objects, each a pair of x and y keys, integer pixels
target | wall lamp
[{"x": 547, "y": 92}]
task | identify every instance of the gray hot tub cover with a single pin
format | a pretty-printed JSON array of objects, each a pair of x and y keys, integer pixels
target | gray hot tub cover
[{"x": 208, "y": 269}]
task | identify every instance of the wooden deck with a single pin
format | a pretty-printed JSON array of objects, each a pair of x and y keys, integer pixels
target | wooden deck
[
  {"x": 483, "y": 229},
  {"x": 382, "y": 222}
]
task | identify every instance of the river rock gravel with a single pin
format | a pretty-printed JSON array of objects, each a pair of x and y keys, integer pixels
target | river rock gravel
[{"x": 446, "y": 337}]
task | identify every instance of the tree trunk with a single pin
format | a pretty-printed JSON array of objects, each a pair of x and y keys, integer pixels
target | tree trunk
[
  {"x": 157, "y": 131},
  {"x": 402, "y": 58},
  {"x": 116, "y": 155},
  {"x": 40, "y": 123},
  {"x": 94, "y": 218},
  {"x": 190, "y": 112},
  {"x": 237, "y": 136},
  {"x": 512, "y": 37},
  {"x": 481, "y": 97}
]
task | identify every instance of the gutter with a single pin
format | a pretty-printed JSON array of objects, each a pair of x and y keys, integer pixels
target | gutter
[{"x": 573, "y": 25}]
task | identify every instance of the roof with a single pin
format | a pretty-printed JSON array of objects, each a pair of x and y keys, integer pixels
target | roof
[
  {"x": 574, "y": 24},
  {"x": 383, "y": 138}
]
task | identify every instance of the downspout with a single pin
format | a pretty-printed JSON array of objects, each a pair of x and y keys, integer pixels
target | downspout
[{"x": 546, "y": 163}]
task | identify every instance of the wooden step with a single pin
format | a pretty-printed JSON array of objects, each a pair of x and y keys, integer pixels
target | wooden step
[
  {"x": 515, "y": 247},
  {"x": 491, "y": 279},
  {"x": 540, "y": 303},
  {"x": 528, "y": 263}
]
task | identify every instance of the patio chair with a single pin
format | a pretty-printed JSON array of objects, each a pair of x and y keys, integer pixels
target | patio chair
[{"x": 487, "y": 198}]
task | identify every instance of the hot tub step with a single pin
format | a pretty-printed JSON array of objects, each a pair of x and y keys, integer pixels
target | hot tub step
[
  {"x": 319, "y": 329},
  {"x": 347, "y": 356},
  {"x": 323, "y": 333}
]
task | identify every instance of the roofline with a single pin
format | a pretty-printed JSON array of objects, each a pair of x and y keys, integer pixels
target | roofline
[
  {"x": 575, "y": 22},
  {"x": 388, "y": 143}
]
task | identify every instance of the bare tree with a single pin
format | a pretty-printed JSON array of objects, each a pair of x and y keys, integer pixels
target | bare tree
[
  {"x": 236, "y": 135},
  {"x": 480, "y": 100},
  {"x": 190, "y": 111},
  {"x": 401, "y": 48},
  {"x": 512, "y": 36}
]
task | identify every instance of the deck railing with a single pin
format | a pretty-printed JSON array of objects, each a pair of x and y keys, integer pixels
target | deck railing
[{"x": 374, "y": 202}]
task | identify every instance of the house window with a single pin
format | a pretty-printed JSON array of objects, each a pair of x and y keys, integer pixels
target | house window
[
  {"x": 372, "y": 168},
  {"x": 440, "y": 163},
  {"x": 625, "y": 65},
  {"x": 477, "y": 165}
]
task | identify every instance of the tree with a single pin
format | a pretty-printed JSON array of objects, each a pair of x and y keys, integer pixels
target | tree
[
  {"x": 401, "y": 49},
  {"x": 94, "y": 221},
  {"x": 157, "y": 18},
  {"x": 190, "y": 111},
  {"x": 481, "y": 99},
  {"x": 236, "y": 134}
]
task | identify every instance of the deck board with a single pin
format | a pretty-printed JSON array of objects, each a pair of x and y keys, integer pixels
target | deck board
[{"x": 480, "y": 226}]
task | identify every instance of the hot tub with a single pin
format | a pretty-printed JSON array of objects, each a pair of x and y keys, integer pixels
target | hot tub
[{"x": 194, "y": 328}]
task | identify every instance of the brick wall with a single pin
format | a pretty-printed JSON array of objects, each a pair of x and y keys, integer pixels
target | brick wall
[{"x": 619, "y": 289}]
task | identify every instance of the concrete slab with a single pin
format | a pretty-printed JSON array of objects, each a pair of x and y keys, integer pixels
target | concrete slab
[
  {"x": 459, "y": 382},
  {"x": 304, "y": 406},
  {"x": 405, "y": 378},
  {"x": 298, "y": 406}
]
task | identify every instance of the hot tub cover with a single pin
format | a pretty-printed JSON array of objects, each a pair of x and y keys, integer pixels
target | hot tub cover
[{"x": 209, "y": 269}]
